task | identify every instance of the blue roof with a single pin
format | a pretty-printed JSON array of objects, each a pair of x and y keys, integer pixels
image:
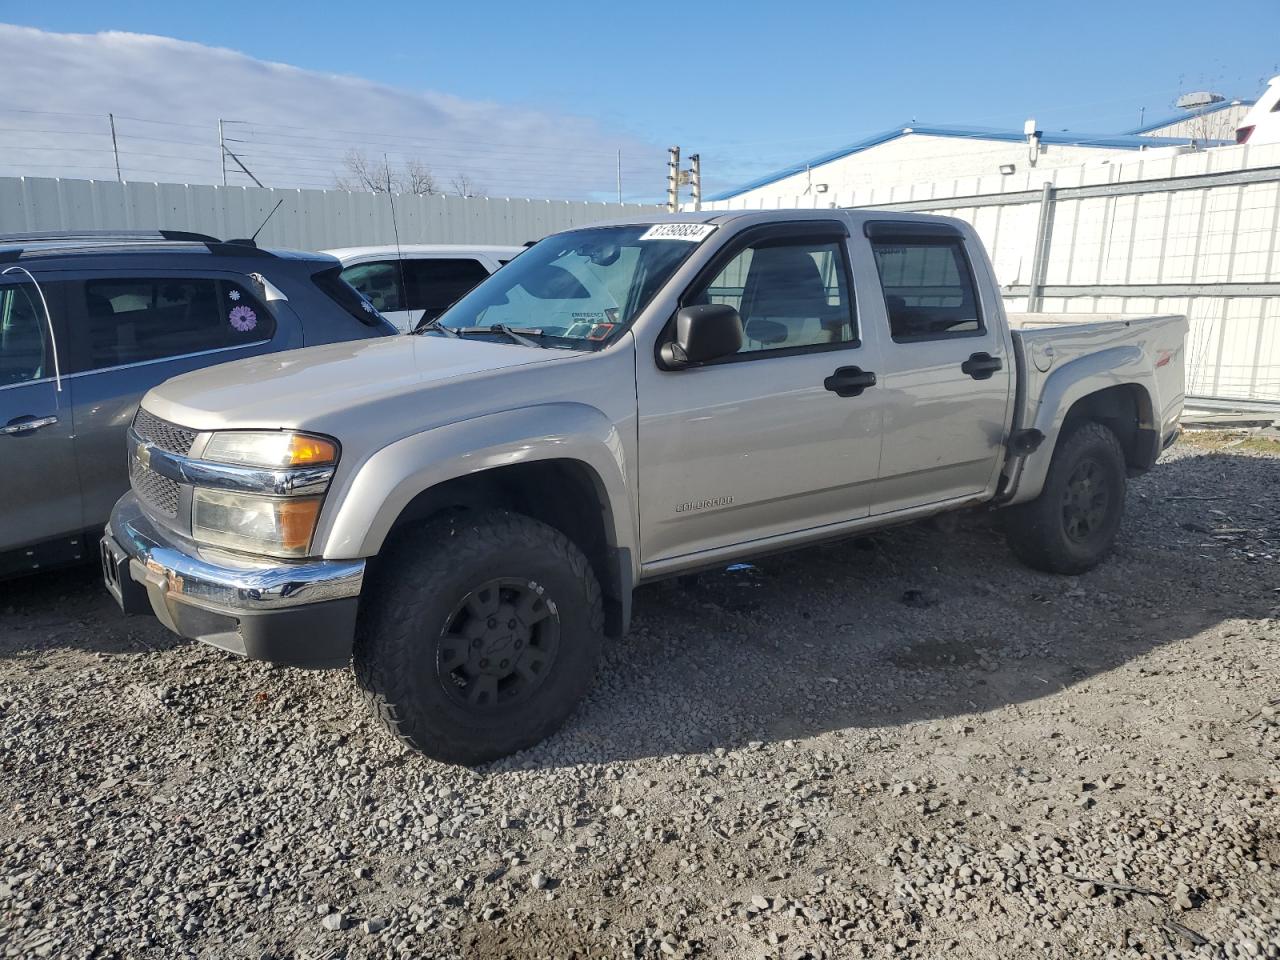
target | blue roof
[
  {"x": 1189, "y": 114},
  {"x": 1121, "y": 141}
]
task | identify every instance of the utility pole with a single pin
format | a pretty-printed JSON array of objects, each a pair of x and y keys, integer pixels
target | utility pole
[
  {"x": 673, "y": 179},
  {"x": 695, "y": 179},
  {"x": 619, "y": 176},
  {"x": 222, "y": 151},
  {"x": 248, "y": 173},
  {"x": 114, "y": 148}
]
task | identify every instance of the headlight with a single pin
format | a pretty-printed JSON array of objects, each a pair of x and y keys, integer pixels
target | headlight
[
  {"x": 271, "y": 448},
  {"x": 276, "y": 527}
]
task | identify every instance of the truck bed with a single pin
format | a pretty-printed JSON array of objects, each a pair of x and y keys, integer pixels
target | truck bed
[{"x": 1142, "y": 346}]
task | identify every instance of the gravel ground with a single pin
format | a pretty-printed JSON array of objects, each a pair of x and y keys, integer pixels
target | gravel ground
[{"x": 904, "y": 746}]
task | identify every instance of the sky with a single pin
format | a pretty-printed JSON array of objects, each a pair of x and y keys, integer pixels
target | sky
[{"x": 538, "y": 99}]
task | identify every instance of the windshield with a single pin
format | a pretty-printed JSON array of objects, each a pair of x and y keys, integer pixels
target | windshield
[{"x": 579, "y": 287}]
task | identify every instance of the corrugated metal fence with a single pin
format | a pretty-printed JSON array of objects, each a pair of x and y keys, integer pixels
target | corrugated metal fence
[
  {"x": 1197, "y": 234},
  {"x": 308, "y": 219}
]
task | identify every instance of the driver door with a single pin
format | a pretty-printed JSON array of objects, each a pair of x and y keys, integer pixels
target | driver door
[{"x": 760, "y": 444}]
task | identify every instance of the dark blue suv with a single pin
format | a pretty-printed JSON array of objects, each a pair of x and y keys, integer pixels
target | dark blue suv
[{"x": 89, "y": 322}]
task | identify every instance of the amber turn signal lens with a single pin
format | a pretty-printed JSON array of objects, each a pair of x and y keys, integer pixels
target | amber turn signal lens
[
  {"x": 297, "y": 522},
  {"x": 305, "y": 451}
]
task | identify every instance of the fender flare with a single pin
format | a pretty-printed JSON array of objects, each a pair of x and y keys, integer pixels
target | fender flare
[
  {"x": 1119, "y": 366},
  {"x": 373, "y": 497}
]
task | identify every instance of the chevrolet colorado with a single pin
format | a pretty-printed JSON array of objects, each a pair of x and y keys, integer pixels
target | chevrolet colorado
[{"x": 463, "y": 512}]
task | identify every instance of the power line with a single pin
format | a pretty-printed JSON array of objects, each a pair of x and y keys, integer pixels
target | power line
[{"x": 366, "y": 135}]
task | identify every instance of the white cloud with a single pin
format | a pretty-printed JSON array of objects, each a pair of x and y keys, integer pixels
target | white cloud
[{"x": 293, "y": 126}]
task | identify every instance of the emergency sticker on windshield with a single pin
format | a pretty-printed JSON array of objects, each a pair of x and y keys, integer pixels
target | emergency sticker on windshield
[
  {"x": 693, "y": 232},
  {"x": 243, "y": 318}
]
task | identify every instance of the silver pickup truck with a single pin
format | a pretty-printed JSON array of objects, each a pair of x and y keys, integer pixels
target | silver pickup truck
[{"x": 465, "y": 511}]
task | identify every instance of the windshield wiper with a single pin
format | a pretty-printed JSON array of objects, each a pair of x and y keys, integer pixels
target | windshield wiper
[
  {"x": 435, "y": 324},
  {"x": 521, "y": 336}
]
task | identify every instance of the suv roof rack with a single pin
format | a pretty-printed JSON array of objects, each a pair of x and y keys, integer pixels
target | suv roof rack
[
  {"x": 223, "y": 247},
  {"x": 171, "y": 235}
]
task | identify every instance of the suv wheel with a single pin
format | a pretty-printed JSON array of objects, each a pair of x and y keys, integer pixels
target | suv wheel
[
  {"x": 1072, "y": 525},
  {"x": 479, "y": 635}
]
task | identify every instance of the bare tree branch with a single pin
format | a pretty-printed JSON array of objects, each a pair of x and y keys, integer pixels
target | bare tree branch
[
  {"x": 377, "y": 176},
  {"x": 367, "y": 176},
  {"x": 464, "y": 186},
  {"x": 421, "y": 180}
]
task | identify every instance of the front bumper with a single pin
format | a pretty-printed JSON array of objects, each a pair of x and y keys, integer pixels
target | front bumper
[{"x": 300, "y": 614}]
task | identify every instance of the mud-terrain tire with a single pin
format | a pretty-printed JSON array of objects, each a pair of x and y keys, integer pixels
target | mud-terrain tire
[
  {"x": 1072, "y": 525},
  {"x": 478, "y": 635}
]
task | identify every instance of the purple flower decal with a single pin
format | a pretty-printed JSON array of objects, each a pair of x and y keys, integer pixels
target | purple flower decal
[{"x": 243, "y": 318}]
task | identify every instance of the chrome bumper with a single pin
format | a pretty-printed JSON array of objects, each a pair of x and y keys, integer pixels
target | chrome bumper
[{"x": 299, "y": 613}]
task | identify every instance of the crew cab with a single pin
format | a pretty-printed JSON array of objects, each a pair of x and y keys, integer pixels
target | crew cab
[{"x": 464, "y": 513}]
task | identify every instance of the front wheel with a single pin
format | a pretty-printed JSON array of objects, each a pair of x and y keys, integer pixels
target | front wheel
[
  {"x": 1072, "y": 525},
  {"x": 479, "y": 634}
]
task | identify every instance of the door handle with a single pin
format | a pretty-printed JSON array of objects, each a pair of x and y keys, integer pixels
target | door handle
[
  {"x": 981, "y": 366},
  {"x": 28, "y": 424},
  {"x": 849, "y": 381}
]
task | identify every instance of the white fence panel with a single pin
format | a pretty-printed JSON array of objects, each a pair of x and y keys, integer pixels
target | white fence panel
[
  {"x": 306, "y": 220},
  {"x": 1136, "y": 242}
]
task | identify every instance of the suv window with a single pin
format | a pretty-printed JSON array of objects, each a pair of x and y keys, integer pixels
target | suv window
[
  {"x": 436, "y": 283},
  {"x": 378, "y": 282},
  {"x": 22, "y": 336},
  {"x": 430, "y": 284},
  {"x": 928, "y": 289},
  {"x": 790, "y": 294},
  {"x": 131, "y": 320}
]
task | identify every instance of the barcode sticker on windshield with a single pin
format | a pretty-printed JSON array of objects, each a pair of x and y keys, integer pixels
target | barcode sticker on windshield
[{"x": 693, "y": 232}]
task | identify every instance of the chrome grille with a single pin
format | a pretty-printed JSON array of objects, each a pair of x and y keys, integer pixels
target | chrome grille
[
  {"x": 167, "y": 436},
  {"x": 159, "y": 493}
]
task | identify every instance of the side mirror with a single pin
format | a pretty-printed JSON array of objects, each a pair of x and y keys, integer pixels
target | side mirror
[{"x": 705, "y": 332}]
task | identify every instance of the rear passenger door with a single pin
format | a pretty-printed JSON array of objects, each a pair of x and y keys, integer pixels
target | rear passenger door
[
  {"x": 945, "y": 372},
  {"x": 132, "y": 331},
  {"x": 39, "y": 489}
]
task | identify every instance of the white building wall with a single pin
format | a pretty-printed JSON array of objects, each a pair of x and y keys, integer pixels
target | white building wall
[
  {"x": 1225, "y": 233},
  {"x": 1218, "y": 125},
  {"x": 917, "y": 158}
]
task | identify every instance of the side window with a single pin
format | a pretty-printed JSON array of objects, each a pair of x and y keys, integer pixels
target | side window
[
  {"x": 131, "y": 320},
  {"x": 793, "y": 294},
  {"x": 434, "y": 284},
  {"x": 23, "y": 347},
  {"x": 928, "y": 289},
  {"x": 379, "y": 282}
]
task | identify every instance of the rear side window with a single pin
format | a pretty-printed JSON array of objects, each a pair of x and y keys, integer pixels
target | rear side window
[
  {"x": 379, "y": 283},
  {"x": 131, "y": 320},
  {"x": 928, "y": 289},
  {"x": 435, "y": 284},
  {"x": 23, "y": 343},
  {"x": 428, "y": 285},
  {"x": 333, "y": 286}
]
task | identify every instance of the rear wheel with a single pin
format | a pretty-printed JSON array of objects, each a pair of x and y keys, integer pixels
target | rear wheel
[
  {"x": 478, "y": 635},
  {"x": 1073, "y": 524}
]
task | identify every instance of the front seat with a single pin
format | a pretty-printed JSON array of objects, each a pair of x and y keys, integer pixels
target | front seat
[{"x": 784, "y": 300}]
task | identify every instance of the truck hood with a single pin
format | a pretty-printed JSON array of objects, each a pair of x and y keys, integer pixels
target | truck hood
[{"x": 301, "y": 387}]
